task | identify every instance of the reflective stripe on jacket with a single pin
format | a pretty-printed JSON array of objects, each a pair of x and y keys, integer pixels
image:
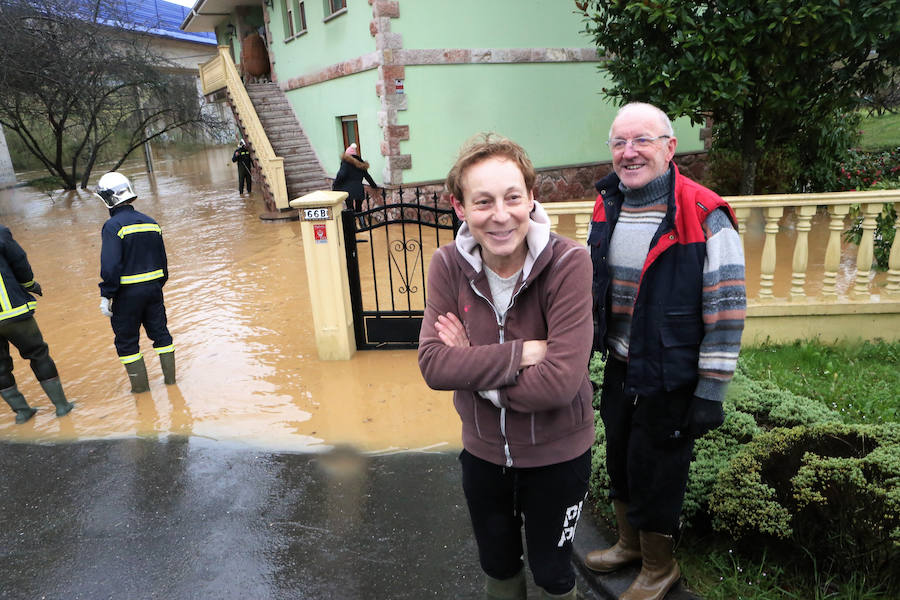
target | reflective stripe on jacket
[
  {"x": 15, "y": 273},
  {"x": 132, "y": 252}
]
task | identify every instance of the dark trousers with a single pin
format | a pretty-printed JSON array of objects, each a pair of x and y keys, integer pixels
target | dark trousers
[
  {"x": 354, "y": 204},
  {"x": 136, "y": 305},
  {"x": 648, "y": 467},
  {"x": 27, "y": 338},
  {"x": 549, "y": 501},
  {"x": 244, "y": 176}
]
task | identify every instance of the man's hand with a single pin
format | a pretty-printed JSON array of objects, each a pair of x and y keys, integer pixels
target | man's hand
[
  {"x": 704, "y": 416},
  {"x": 451, "y": 331},
  {"x": 35, "y": 288},
  {"x": 106, "y": 306}
]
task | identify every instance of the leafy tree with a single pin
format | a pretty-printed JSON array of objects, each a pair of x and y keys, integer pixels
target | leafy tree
[
  {"x": 77, "y": 75},
  {"x": 771, "y": 72}
]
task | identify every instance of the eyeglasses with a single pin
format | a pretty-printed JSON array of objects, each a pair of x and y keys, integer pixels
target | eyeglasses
[{"x": 638, "y": 143}]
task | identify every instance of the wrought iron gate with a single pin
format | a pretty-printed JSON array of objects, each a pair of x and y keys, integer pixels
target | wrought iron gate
[{"x": 389, "y": 247}]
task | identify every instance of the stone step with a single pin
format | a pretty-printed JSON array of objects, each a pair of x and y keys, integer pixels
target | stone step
[
  {"x": 303, "y": 167},
  {"x": 281, "y": 123},
  {"x": 292, "y": 158},
  {"x": 276, "y": 116}
]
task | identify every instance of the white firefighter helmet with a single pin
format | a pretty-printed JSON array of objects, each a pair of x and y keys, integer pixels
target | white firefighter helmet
[{"x": 114, "y": 189}]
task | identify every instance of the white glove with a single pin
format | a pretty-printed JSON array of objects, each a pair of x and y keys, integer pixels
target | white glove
[{"x": 106, "y": 306}]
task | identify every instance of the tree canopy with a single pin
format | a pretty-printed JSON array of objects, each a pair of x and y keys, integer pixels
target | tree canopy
[
  {"x": 78, "y": 75},
  {"x": 765, "y": 72}
]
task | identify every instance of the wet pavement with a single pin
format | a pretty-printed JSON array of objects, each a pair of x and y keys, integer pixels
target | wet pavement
[{"x": 191, "y": 518}]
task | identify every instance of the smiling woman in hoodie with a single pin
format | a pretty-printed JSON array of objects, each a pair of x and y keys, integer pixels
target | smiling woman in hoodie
[{"x": 508, "y": 327}]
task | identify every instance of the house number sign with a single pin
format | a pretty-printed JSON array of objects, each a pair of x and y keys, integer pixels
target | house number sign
[{"x": 322, "y": 213}]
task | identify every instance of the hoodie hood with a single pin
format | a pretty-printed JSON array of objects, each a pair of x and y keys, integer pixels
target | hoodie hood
[{"x": 536, "y": 239}]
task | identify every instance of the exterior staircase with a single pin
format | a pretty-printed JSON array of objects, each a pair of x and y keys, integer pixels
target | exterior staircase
[{"x": 303, "y": 173}]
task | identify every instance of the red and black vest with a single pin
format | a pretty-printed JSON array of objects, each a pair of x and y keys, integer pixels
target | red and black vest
[{"x": 667, "y": 324}]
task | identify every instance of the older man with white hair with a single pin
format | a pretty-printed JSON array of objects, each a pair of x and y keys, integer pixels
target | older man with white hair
[{"x": 669, "y": 305}]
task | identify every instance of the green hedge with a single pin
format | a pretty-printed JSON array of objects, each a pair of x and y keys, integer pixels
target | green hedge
[
  {"x": 787, "y": 470},
  {"x": 831, "y": 488}
]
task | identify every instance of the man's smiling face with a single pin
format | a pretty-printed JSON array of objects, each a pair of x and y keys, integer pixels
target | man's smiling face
[{"x": 638, "y": 167}]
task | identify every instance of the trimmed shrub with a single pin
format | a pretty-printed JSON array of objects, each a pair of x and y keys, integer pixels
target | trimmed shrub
[
  {"x": 786, "y": 468},
  {"x": 831, "y": 488}
]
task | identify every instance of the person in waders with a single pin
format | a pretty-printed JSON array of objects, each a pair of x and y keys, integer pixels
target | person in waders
[{"x": 133, "y": 271}]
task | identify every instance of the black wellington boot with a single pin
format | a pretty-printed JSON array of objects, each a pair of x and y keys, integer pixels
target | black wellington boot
[
  {"x": 167, "y": 361},
  {"x": 53, "y": 389},
  {"x": 137, "y": 375},
  {"x": 17, "y": 402}
]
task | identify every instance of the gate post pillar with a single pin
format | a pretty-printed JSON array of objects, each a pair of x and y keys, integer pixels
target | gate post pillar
[{"x": 326, "y": 272}]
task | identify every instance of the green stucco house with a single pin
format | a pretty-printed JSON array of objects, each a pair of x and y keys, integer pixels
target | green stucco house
[{"x": 411, "y": 80}]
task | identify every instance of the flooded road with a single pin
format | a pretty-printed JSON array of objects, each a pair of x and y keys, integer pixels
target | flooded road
[{"x": 239, "y": 314}]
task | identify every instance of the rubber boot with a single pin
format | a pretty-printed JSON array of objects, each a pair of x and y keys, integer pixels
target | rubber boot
[
  {"x": 17, "y": 402},
  {"x": 137, "y": 375},
  {"x": 167, "y": 361},
  {"x": 506, "y": 589},
  {"x": 659, "y": 570},
  {"x": 53, "y": 389},
  {"x": 570, "y": 595},
  {"x": 625, "y": 551}
]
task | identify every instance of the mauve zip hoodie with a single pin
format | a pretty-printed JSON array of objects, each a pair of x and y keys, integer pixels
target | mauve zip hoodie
[{"x": 546, "y": 416}]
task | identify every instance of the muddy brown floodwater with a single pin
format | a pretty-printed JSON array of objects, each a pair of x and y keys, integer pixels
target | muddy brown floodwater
[{"x": 239, "y": 313}]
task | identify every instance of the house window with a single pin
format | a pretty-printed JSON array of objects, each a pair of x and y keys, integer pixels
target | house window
[
  {"x": 288, "y": 18},
  {"x": 300, "y": 15},
  {"x": 350, "y": 131},
  {"x": 333, "y": 7},
  {"x": 294, "y": 18}
]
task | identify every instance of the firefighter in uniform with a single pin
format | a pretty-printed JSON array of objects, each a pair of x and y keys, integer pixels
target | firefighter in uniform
[
  {"x": 244, "y": 162},
  {"x": 133, "y": 270},
  {"x": 17, "y": 326}
]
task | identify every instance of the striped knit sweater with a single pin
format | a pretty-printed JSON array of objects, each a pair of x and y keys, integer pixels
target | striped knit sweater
[{"x": 724, "y": 296}]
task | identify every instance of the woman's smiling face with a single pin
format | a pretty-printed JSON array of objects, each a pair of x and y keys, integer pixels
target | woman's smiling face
[{"x": 497, "y": 206}]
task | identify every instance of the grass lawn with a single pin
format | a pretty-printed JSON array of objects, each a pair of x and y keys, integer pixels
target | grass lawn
[
  {"x": 861, "y": 380},
  {"x": 880, "y": 132}
]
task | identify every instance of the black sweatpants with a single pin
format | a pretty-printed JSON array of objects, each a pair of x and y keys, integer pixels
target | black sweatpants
[
  {"x": 136, "y": 305},
  {"x": 648, "y": 467},
  {"x": 549, "y": 501},
  {"x": 26, "y": 337}
]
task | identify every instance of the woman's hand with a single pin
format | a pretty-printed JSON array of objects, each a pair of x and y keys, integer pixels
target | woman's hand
[
  {"x": 533, "y": 352},
  {"x": 451, "y": 331}
]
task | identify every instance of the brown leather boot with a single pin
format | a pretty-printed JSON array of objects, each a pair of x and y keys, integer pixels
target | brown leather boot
[
  {"x": 625, "y": 551},
  {"x": 659, "y": 571}
]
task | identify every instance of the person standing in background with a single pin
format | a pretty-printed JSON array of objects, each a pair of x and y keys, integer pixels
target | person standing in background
[
  {"x": 244, "y": 162},
  {"x": 350, "y": 176},
  {"x": 19, "y": 328}
]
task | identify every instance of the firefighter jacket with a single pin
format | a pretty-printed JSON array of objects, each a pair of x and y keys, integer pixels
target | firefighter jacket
[
  {"x": 132, "y": 252},
  {"x": 242, "y": 157},
  {"x": 15, "y": 302}
]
